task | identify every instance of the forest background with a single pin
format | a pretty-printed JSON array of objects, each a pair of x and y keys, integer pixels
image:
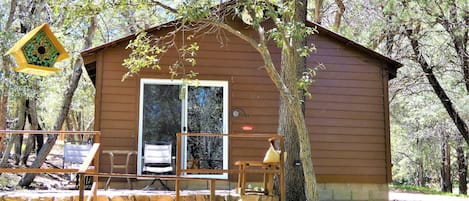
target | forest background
[{"x": 429, "y": 37}]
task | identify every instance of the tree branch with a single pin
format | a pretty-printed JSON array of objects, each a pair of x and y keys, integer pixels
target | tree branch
[
  {"x": 162, "y": 5},
  {"x": 13, "y": 5},
  {"x": 261, "y": 47}
]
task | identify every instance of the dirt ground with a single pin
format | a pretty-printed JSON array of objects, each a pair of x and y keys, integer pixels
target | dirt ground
[
  {"x": 56, "y": 181},
  {"x": 401, "y": 196}
]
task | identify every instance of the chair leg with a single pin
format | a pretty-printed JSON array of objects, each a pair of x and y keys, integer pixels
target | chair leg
[
  {"x": 268, "y": 183},
  {"x": 108, "y": 181},
  {"x": 242, "y": 180},
  {"x": 164, "y": 185},
  {"x": 129, "y": 183},
  {"x": 147, "y": 187}
]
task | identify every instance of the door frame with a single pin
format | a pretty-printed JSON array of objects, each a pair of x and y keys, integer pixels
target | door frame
[{"x": 216, "y": 83}]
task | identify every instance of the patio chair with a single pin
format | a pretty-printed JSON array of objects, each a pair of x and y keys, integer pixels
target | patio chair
[
  {"x": 157, "y": 159},
  {"x": 74, "y": 156}
]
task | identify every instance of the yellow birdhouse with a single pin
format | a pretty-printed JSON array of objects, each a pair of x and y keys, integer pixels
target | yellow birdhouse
[{"x": 37, "y": 52}]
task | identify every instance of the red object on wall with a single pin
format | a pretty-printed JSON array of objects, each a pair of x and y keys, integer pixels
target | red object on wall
[{"x": 247, "y": 128}]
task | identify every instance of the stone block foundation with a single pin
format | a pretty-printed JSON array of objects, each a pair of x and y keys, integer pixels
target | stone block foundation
[{"x": 353, "y": 192}]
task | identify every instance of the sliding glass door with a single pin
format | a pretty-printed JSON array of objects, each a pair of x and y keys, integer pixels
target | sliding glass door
[{"x": 169, "y": 106}]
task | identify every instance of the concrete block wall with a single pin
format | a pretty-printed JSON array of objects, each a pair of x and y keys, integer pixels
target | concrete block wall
[{"x": 353, "y": 192}]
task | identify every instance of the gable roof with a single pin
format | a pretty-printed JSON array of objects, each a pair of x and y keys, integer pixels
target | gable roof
[{"x": 391, "y": 64}]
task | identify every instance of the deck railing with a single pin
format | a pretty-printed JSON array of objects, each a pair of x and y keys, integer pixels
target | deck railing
[
  {"x": 92, "y": 159},
  {"x": 270, "y": 137}
]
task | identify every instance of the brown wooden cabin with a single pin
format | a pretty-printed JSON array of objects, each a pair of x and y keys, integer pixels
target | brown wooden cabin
[{"x": 347, "y": 115}]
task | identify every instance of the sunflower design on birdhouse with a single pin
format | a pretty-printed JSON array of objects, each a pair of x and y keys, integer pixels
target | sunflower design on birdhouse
[{"x": 37, "y": 52}]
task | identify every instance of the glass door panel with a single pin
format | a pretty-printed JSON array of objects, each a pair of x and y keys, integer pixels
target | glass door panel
[
  {"x": 161, "y": 117},
  {"x": 205, "y": 115}
]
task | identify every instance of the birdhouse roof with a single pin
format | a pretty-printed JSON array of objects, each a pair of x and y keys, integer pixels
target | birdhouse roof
[{"x": 44, "y": 27}]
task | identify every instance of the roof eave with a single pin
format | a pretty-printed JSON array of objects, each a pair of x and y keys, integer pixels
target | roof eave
[{"x": 391, "y": 64}]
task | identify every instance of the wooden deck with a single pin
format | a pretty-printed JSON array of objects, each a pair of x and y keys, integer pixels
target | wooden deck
[{"x": 130, "y": 195}]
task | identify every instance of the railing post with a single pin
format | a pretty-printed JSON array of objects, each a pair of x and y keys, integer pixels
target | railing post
[
  {"x": 81, "y": 186},
  {"x": 212, "y": 189},
  {"x": 282, "y": 169},
  {"x": 97, "y": 137},
  {"x": 178, "y": 165}
]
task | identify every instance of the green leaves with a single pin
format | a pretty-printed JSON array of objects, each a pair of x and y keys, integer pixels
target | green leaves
[
  {"x": 193, "y": 11},
  {"x": 145, "y": 54},
  {"x": 307, "y": 79},
  {"x": 186, "y": 55}
]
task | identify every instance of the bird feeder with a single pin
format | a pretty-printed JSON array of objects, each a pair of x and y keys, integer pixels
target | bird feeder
[{"x": 37, "y": 52}]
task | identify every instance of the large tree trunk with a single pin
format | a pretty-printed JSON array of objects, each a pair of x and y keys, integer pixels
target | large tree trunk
[
  {"x": 446, "y": 182},
  {"x": 462, "y": 168},
  {"x": 68, "y": 95},
  {"x": 291, "y": 99},
  {"x": 298, "y": 166},
  {"x": 296, "y": 65}
]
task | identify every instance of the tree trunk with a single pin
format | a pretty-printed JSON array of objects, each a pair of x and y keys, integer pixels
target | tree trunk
[
  {"x": 295, "y": 66},
  {"x": 317, "y": 11},
  {"x": 5, "y": 71},
  {"x": 47, "y": 147},
  {"x": 338, "y": 15},
  {"x": 457, "y": 29},
  {"x": 18, "y": 138},
  {"x": 14, "y": 137},
  {"x": 291, "y": 99},
  {"x": 3, "y": 119},
  {"x": 439, "y": 91},
  {"x": 446, "y": 182},
  {"x": 298, "y": 166},
  {"x": 420, "y": 173},
  {"x": 462, "y": 168},
  {"x": 34, "y": 140}
]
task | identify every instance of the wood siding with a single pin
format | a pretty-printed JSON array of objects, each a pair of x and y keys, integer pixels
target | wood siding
[{"x": 346, "y": 116}]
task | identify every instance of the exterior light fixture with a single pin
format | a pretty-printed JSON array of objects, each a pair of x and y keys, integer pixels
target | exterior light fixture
[
  {"x": 38, "y": 51},
  {"x": 247, "y": 128}
]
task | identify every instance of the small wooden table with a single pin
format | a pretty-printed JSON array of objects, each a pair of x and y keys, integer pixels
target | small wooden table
[
  {"x": 269, "y": 170},
  {"x": 112, "y": 153}
]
